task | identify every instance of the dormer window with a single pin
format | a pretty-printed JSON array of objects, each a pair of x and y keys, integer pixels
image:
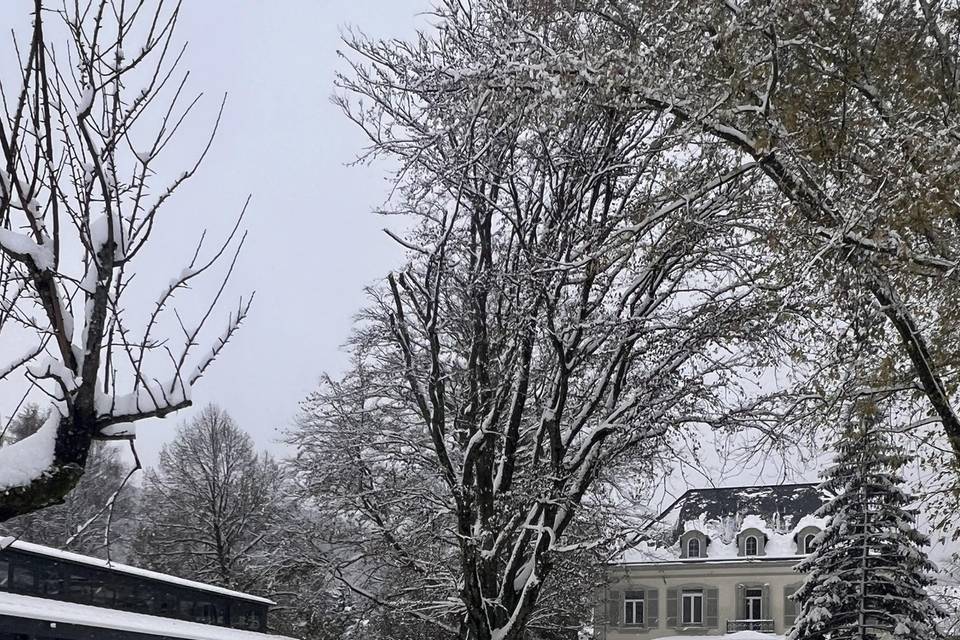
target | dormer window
[
  {"x": 751, "y": 542},
  {"x": 805, "y": 540},
  {"x": 693, "y": 544}
]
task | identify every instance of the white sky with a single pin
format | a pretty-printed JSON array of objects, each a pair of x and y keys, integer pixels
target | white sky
[{"x": 314, "y": 243}]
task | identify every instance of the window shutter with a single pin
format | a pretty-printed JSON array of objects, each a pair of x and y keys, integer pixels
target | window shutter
[
  {"x": 614, "y": 607},
  {"x": 652, "y": 603},
  {"x": 765, "y": 612},
  {"x": 672, "y": 616},
  {"x": 710, "y": 617},
  {"x": 741, "y": 602},
  {"x": 789, "y": 607}
]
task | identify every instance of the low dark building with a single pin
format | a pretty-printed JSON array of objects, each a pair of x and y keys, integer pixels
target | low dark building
[{"x": 47, "y": 594}]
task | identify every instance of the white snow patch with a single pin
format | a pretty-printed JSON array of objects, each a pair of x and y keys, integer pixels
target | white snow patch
[
  {"x": 86, "y": 100},
  {"x": 27, "y": 460},
  {"x": 16, "y": 605},
  {"x": 22, "y": 245}
]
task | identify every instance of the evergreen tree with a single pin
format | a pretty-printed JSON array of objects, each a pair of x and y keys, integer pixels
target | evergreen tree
[{"x": 868, "y": 575}]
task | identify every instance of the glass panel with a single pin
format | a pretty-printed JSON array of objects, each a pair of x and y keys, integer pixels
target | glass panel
[
  {"x": 129, "y": 597},
  {"x": 751, "y": 546},
  {"x": 80, "y": 587},
  {"x": 4, "y": 575},
  {"x": 166, "y": 603},
  {"x": 692, "y": 607},
  {"x": 51, "y": 580},
  {"x": 104, "y": 595},
  {"x": 24, "y": 578}
]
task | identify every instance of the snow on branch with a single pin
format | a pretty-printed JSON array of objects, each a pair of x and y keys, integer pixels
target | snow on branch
[{"x": 24, "y": 461}]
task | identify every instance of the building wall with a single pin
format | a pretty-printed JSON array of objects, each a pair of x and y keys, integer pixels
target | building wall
[{"x": 776, "y": 575}]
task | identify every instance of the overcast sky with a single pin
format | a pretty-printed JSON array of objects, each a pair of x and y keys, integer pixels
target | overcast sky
[{"x": 314, "y": 242}]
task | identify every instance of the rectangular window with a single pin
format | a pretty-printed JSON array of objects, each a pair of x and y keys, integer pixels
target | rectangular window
[
  {"x": 24, "y": 579},
  {"x": 692, "y": 607},
  {"x": 753, "y": 605},
  {"x": 4, "y": 575},
  {"x": 104, "y": 595},
  {"x": 633, "y": 607},
  {"x": 51, "y": 580}
]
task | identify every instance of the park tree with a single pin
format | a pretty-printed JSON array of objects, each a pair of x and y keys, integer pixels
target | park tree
[
  {"x": 215, "y": 506},
  {"x": 868, "y": 574},
  {"x": 580, "y": 291},
  {"x": 96, "y": 96}
]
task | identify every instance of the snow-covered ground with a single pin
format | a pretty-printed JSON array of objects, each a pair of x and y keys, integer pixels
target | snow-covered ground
[{"x": 739, "y": 635}]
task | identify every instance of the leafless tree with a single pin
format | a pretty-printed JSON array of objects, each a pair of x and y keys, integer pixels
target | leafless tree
[
  {"x": 98, "y": 97},
  {"x": 581, "y": 289},
  {"x": 214, "y": 505}
]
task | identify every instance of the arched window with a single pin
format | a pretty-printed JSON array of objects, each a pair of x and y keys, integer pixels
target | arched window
[
  {"x": 808, "y": 543},
  {"x": 693, "y": 548},
  {"x": 751, "y": 546}
]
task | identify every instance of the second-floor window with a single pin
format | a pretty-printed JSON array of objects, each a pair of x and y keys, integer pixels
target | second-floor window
[
  {"x": 693, "y": 548},
  {"x": 633, "y": 607},
  {"x": 753, "y": 604},
  {"x": 808, "y": 544},
  {"x": 751, "y": 546},
  {"x": 692, "y": 606}
]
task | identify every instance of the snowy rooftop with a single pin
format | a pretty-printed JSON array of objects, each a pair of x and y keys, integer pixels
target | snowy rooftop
[
  {"x": 50, "y": 552},
  {"x": 19, "y": 606},
  {"x": 779, "y": 512},
  {"x": 786, "y": 502}
]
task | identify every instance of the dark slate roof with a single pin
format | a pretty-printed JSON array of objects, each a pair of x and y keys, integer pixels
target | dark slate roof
[{"x": 790, "y": 501}]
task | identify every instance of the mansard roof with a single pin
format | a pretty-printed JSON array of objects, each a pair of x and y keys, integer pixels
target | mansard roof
[
  {"x": 722, "y": 514},
  {"x": 784, "y": 504}
]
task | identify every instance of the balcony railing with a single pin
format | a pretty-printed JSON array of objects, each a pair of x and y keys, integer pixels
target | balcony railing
[{"x": 763, "y": 626}]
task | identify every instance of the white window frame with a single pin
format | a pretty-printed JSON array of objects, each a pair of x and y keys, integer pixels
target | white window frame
[
  {"x": 808, "y": 542},
  {"x": 746, "y": 545},
  {"x": 696, "y": 598},
  {"x": 635, "y": 606},
  {"x": 753, "y": 597},
  {"x": 695, "y": 539}
]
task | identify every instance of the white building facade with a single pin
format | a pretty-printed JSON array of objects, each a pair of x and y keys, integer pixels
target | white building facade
[{"x": 716, "y": 561}]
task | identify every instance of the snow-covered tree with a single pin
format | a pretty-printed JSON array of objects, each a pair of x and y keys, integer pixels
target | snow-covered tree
[
  {"x": 577, "y": 292},
  {"x": 99, "y": 95},
  {"x": 869, "y": 571},
  {"x": 213, "y": 506},
  {"x": 96, "y": 518},
  {"x": 848, "y": 109}
]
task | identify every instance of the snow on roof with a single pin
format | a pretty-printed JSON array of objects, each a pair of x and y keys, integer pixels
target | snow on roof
[
  {"x": 50, "y": 552},
  {"x": 739, "y": 635},
  {"x": 778, "y": 512},
  {"x": 19, "y": 606},
  {"x": 789, "y": 501}
]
